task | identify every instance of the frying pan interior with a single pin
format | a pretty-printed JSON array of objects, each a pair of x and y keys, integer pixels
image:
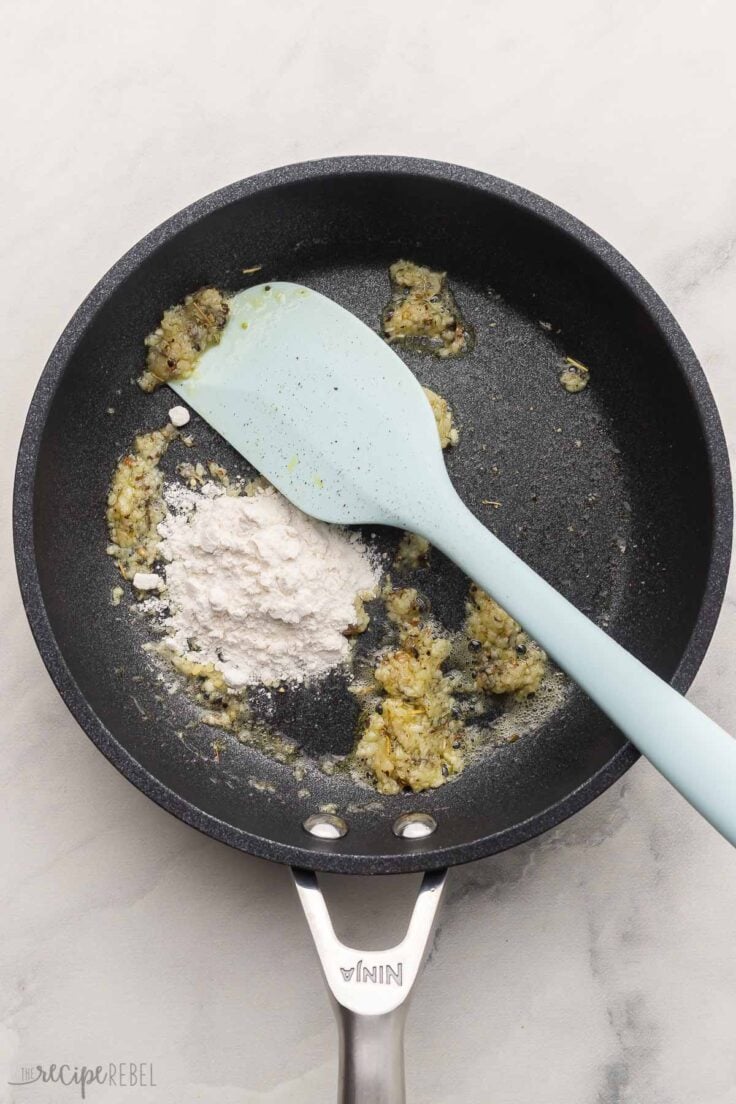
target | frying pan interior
[{"x": 619, "y": 495}]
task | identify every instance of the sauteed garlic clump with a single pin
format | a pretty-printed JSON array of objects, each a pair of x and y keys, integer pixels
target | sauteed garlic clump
[
  {"x": 422, "y": 313},
  {"x": 184, "y": 333},
  {"x": 412, "y": 737},
  {"x": 505, "y": 660}
]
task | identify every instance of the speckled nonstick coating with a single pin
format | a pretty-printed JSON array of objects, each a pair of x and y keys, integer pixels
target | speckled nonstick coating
[{"x": 620, "y": 496}]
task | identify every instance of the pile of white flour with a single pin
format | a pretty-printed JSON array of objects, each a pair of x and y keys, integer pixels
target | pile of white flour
[{"x": 261, "y": 590}]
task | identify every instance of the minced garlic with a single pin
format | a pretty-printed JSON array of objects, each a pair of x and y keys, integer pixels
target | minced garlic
[
  {"x": 184, "y": 333},
  {"x": 225, "y": 709},
  {"x": 443, "y": 417},
  {"x": 575, "y": 376},
  {"x": 504, "y": 659},
  {"x": 423, "y": 312},
  {"x": 413, "y": 552},
  {"x": 411, "y": 738},
  {"x": 135, "y": 505}
]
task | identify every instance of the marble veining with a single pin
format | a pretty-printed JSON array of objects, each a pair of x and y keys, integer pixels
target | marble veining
[{"x": 592, "y": 966}]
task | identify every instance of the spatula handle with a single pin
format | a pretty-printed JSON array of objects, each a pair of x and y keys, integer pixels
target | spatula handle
[{"x": 692, "y": 751}]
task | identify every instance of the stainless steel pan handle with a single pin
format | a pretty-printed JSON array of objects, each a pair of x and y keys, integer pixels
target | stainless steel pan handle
[{"x": 370, "y": 991}]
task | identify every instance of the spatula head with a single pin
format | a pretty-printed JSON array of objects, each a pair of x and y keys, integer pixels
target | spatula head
[{"x": 321, "y": 406}]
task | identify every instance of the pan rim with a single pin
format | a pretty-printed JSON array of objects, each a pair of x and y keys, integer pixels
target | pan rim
[{"x": 327, "y": 857}]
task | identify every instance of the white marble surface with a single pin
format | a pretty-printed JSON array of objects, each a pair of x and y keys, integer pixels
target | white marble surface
[{"x": 594, "y": 966}]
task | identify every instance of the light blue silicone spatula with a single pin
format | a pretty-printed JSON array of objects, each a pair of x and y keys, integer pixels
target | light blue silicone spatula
[{"x": 325, "y": 409}]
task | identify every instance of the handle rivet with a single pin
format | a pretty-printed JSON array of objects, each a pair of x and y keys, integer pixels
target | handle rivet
[
  {"x": 326, "y": 826},
  {"x": 414, "y": 826}
]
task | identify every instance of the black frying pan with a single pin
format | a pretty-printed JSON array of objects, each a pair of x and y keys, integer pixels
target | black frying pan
[{"x": 619, "y": 496}]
